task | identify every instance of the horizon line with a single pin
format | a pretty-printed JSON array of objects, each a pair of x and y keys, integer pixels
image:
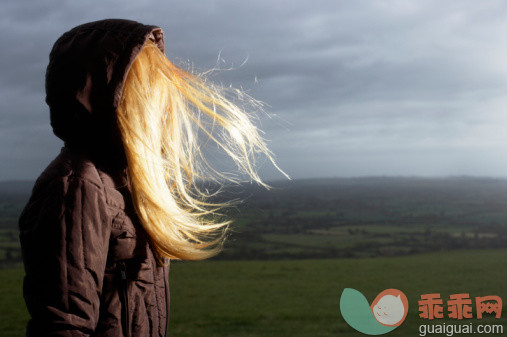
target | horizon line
[{"x": 383, "y": 176}]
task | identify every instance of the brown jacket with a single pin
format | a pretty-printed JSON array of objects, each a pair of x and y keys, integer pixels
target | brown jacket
[{"x": 90, "y": 267}]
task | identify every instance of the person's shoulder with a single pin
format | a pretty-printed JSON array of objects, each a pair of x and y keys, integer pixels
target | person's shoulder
[
  {"x": 69, "y": 176},
  {"x": 71, "y": 165},
  {"x": 73, "y": 168}
]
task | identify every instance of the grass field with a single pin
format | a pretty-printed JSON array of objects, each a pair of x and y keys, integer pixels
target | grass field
[{"x": 298, "y": 297}]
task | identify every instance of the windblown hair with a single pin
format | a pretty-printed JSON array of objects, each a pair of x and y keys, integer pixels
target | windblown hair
[{"x": 161, "y": 112}]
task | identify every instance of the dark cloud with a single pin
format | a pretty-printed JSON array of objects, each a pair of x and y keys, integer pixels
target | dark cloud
[{"x": 354, "y": 87}]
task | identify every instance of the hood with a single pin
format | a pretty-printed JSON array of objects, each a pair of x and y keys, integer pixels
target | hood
[{"x": 87, "y": 69}]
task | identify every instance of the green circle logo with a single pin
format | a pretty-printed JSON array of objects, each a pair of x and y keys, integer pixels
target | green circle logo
[{"x": 386, "y": 313}]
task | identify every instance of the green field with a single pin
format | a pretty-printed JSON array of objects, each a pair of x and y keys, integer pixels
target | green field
[
  {"x": 336, "y": 218},
  {"x": 299, "y": 297}
]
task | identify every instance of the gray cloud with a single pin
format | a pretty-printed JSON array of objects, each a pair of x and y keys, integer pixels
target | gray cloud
[{"x": 355, "y": 87}]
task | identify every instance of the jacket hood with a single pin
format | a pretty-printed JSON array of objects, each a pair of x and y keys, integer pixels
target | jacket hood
[{"x": 87, "y": 69}]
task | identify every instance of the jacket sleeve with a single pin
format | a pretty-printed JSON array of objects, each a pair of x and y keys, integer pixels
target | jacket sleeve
[{"x": 64, "y": 235}]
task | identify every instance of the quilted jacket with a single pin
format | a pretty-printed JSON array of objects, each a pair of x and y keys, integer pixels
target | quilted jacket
[{"x": 90, "y": 266}]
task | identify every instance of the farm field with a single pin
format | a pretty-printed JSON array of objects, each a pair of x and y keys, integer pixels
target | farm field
[
  {"x": 335, "y": 217},
  {"x": 293, "y": 249}
]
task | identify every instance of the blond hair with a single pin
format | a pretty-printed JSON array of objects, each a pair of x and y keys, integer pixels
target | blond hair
[{"x": 159, "y": 117}]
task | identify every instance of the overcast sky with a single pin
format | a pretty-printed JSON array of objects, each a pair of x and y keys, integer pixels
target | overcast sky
[{"x": 355, "y": 88}]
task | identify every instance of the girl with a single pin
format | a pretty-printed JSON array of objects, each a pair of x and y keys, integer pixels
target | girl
[{"x": 123, "y": 196}]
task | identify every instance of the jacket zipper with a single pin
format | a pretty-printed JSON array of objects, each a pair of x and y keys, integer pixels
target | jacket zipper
[{"x": 124, "y": 293}]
